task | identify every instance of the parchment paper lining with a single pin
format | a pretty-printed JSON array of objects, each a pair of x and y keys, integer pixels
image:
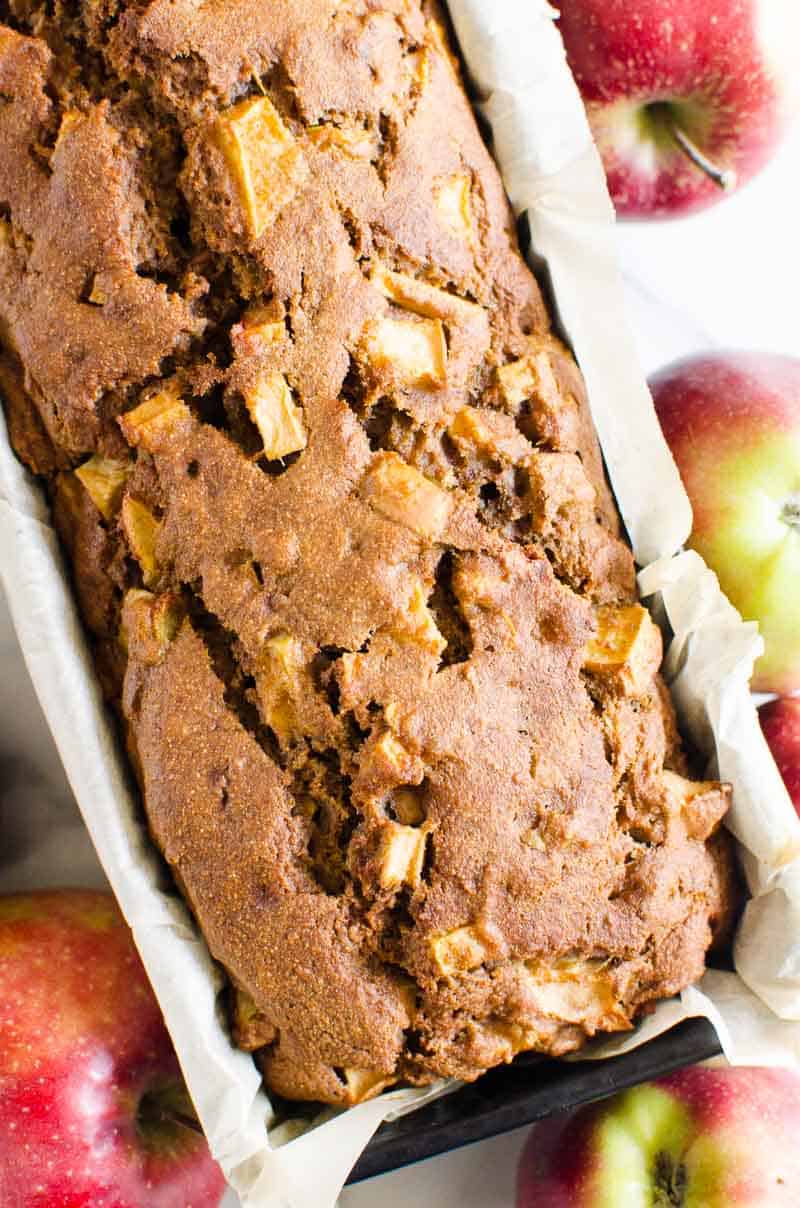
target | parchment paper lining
[{"x": 553, "y": 174}]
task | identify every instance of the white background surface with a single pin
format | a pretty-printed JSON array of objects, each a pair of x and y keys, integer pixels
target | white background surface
[{"x": 728, "y": 278}]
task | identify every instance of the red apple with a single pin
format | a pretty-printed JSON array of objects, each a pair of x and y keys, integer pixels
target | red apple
[
  {"x": 732, "y": 420},
  {"x": 93, "y": 1109},
  {"x": 686, "y": 98},
  {"x": 700, "y": 1138},
  {"x": 780, "y": 721}
]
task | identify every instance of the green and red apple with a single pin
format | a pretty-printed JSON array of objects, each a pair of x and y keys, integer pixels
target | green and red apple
[
  {"x": 732, "y": 421},
  {"x": 780, "y": 721},
  {"x": 700, "y": 1138},
  {"x": 686, "y": 98},
  {"x": 94, "y": 1112}
]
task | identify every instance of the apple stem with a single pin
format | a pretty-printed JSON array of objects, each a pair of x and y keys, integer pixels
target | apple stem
[
  {"x": 670, "y": 1181},
  {"x": 725, "y": 178},
  {"x": 186, "y": 1122},
  {"x": 182, "y": 1120},
  {"x": 791, "y": 511}
]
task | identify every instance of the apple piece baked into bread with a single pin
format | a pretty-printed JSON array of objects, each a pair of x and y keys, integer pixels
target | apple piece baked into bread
[{"x": 339, "y": 528}]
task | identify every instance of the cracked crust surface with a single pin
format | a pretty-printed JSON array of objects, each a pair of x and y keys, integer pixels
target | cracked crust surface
[{"x": 339, "y": 529}]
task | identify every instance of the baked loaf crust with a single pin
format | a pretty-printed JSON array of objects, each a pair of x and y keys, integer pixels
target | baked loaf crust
[{"x": 339, "y": 529}]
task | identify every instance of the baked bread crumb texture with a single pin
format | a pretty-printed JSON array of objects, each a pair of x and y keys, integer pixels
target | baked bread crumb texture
[{"x": 338, "y": 525}]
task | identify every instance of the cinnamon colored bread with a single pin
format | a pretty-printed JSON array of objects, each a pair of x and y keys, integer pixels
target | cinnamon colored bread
[{"x": 339, "y": 529}]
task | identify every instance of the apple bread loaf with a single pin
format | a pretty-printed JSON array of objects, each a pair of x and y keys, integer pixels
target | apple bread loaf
[{"x": 339, "y": 530}]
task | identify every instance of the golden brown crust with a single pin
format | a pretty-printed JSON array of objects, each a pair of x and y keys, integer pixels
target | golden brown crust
[{"x": 338, "y": 523}]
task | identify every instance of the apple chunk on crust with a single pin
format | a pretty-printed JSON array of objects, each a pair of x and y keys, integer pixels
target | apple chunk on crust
[
  {"x": 354, "y": 141},
  {"x": 531, "y": 376},
  {"x": 625, "y": 653},
  {"x": 276, "y": 415},
  {"x": 263, "y": 158},
  {"x": 386, "y": 760},
  {"x": 577, "y": 990},
  {"x": 452, "y": 200},
  {"x": 466, "y": 323},
  {"x": 531, "y": 383},
  {"x": 460, "y": 951},
  {"x": 414, "y": 351},
  {"x": 402, "y": 855},
  {"x": 422, "y": 298},
  {"x": 251, "y": 1028},
  {"x": 155, "y": 421},
  {"x": 280, "y": 683},
  {"x": 149, "y": 623},
  {"x": 365, "y": 1084},
  {"x": 417, "y": 624},
  {"x": 104, "y": 478},
  {"x": 141, "y": 528},
  {"x": 260, "y": 328},
  {"x": 406, "y": 496},
  {"x": 699, "y": 804}
]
